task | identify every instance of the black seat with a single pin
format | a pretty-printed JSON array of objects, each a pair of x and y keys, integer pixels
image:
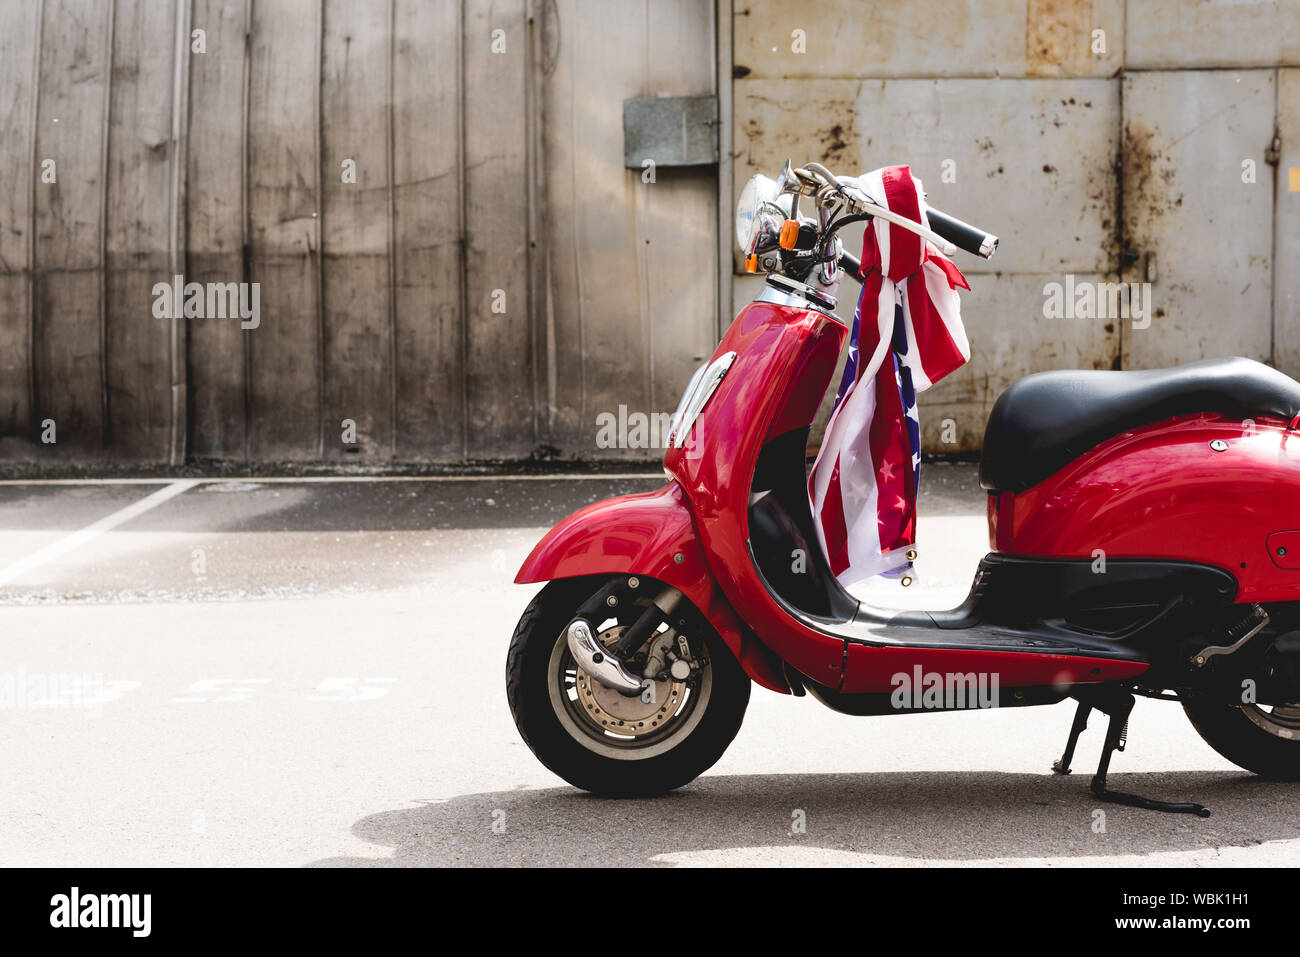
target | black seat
[{"x": 1046, "y": 420}]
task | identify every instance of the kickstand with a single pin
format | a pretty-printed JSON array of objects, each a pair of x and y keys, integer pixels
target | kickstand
[
  {"x": 1118, "y": 707},
  {"x": 1062, "y": 765}
]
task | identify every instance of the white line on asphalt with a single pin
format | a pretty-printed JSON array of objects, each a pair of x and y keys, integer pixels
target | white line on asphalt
[
  {"x": 325, "y": 479},
  {"x": 78, "y": 538}
]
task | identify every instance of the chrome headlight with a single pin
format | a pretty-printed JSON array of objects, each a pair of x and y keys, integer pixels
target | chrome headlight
[{"x": 759, "y": 215}]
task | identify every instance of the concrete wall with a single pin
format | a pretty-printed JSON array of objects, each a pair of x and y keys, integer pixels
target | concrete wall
[{"x": 1102, "y": 163}]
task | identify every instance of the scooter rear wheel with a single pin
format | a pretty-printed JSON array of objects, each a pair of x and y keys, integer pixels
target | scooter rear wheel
[
  {"x": 598, "y": 740},
  {"x": 1260, "y": 739}
]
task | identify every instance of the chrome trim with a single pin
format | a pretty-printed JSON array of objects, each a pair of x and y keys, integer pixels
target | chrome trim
[
  {"x": 700, "y": 394},
  {"x": 597, "y": 662},
  {"x": 1261, "y": 619},
  {"x": 784, "y": 291},
  {"x": 989, "y": 247},
  {"x": 686, "y": 397}
]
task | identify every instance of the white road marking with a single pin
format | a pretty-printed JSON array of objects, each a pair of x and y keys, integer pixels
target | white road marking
[
  {"x": 78, "y": 538},
  {"x": 351, "y": 689},
  {"x": 41, "y": 691},
  {"x": 209, "y": 690}
]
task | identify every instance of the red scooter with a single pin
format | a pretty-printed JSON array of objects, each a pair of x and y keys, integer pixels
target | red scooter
[{"x": 1144, "y": 526}]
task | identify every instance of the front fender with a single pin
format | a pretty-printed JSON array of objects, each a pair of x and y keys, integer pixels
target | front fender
[{"x": 650, "y": 534}]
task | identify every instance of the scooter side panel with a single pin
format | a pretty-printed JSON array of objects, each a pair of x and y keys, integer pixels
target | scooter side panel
[
  {"x": 877, "y": 670},
  {"x": 650, "y": 534},
  {"x": 717, "y": 466},
  {"x": 1167, "y": 491}
]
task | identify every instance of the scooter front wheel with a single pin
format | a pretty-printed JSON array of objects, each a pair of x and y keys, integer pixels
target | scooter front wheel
[
  {"x": 599, "y": 740},
  {"x": 1265, "y": 740}
]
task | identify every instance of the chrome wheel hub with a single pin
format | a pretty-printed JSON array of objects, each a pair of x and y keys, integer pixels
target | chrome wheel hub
[
  {"x": 1283, "y": 721},
  {"x": 623, "y": 715}
]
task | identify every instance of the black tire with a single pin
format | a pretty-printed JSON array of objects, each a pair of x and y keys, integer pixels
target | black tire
[
  {"x": 1230, "y": 730},
  {"x": 530, "y": 673}
]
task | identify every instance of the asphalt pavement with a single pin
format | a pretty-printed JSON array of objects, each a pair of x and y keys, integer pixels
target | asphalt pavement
[{"x": 310, "y": 673}]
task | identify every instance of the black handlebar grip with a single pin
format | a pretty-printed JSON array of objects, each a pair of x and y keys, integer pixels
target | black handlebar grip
[
  {"x": 850, "y": 264},
  {"x": 963, "y": 235}
]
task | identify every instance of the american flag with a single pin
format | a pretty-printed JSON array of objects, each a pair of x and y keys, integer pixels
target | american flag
[{"x": 863, "y": 485}]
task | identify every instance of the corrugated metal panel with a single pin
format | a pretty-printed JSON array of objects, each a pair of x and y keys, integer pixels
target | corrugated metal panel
[
  {"x": 1186, "y": 136},
  {"x": 878, "y": 38},
  {"x": 1033, "y": 161},
  {"x": 356, "y": 217},
  {"x": 284, "y": 171},
  {"x": 1182, "y": 34},
  {"x": 20, "y": 28},
  {"x": 1030, "y": 158},
  {"x": 137, "y": 224},
  {"x": 72, "y": 128},
  {"x": 1040, "y": 162},
  {"x": 439, "y": 302},
  {"x": 1286, "y": 227},
  {"x": 631, "y": 263},
  {"x": 218, "y": 352},
  {"x": 498, "y": 359},
  {"x": 427, "y": 253}
]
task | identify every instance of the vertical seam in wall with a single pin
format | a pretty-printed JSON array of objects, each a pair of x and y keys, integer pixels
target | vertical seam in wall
[
  {"x": 532, "y": 164},
  {"x": 1273, "y": 210},
  {"x": 576, "y": 209},
  {"x": 392, "y": 237},
  {"x": 245, "y": 226},
  {"x": 177, "y": 234},
  {"x": 544, "y": 300},
  {"x": 32, "y": 408},
  {"x": 319, "y": 230},
  {"x": 644, "y": 249},
  {"x": 105, "y": 425},
  {"x": 462, "y": 233},
  {"x": 724, "y": 40},
  {"x": 1121, "y": 231}
]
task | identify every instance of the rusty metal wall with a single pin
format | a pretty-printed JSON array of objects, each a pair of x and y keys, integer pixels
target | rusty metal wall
[
  {"x": 496, "y": 281},
  {"x": 1124, "y": 163},
  {"x": 492, "y": 281}
]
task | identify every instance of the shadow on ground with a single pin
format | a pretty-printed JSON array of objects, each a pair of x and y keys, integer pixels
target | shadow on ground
[{"x": 895, "y": 816}]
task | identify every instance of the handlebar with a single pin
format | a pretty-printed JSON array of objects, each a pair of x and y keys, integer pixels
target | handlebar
[
  {"x": 964, "y": 236},
  {"x": 946, "y": 232}
]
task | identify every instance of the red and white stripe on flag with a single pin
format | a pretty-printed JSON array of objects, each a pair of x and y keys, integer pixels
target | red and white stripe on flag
[{"x": 863, "y": 485}]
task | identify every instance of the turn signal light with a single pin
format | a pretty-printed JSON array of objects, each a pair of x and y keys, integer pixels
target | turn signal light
[
  {"x": 751, "y": 264},
  {"x": 789, "y": 234}
]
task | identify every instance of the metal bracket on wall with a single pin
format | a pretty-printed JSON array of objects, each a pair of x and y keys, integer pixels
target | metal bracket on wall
[{"x": 670, "y": 131}]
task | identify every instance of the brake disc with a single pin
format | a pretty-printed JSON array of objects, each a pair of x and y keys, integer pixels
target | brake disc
[{"x": 635, "y": 716}]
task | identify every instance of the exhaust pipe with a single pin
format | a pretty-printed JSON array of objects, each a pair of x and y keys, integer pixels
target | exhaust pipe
[{"x": 597, "y": 662}]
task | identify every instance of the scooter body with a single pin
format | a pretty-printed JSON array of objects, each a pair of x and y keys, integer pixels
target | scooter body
[
  {"x": 1144, "y": 532},
  {"x": 1201, "y": 487},
  {"x": 1158, "y": 495}
]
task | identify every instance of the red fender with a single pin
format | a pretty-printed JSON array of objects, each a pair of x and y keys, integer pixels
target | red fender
[{"x": 651, "y": 534}]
